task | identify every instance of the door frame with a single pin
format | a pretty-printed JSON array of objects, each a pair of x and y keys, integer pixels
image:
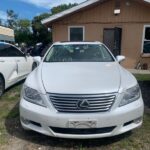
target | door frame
[{"x": 113, "y": 28}]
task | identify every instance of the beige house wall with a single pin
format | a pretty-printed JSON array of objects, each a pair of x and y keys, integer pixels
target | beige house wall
[{"x": 95, "y": 19}]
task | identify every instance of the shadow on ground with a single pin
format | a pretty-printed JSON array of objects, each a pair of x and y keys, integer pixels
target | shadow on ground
[
  {"x": 15, "y": 85},
  {"x": 145, "y": 88},
  {"x": 14, "y": 128}
]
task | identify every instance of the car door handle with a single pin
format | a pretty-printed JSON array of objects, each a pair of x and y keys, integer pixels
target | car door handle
[
  {"x": 17, "y": 60},
  {"x": 2, "y": 60}
]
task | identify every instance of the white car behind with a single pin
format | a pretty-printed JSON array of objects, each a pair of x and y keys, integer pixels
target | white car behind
[{"x": 14, "y": 65}]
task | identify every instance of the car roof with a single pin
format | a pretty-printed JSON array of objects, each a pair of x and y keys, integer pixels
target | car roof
[
  {"x": 3, "y": 43},
  {"x": 75, "y": 43}
]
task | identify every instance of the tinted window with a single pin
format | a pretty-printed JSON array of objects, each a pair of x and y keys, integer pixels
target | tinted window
[
  {"x": 78, "y": 53},
  {"x": 146, "y": 47},
  {"x": 146, "y": 44},
  {"x": 9, "y": 51},
  {"x": 147, "y": 33},
  {"x": 76, "y": 34}
]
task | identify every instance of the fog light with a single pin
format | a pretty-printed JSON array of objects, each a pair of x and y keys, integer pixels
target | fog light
[
  {"x": 138, "y": 120},
  {"x": 25, "y": 121}
]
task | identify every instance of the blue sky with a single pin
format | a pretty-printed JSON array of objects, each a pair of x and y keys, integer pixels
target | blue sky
[{"x": 30, "y": 8}]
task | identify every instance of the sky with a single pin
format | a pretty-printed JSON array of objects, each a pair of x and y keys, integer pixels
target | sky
[{"x": 27, "y": 9}]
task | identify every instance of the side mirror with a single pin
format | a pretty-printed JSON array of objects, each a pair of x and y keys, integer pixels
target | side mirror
[
  {"x": 37, "y": 59},
  {"x": 120, "y": 58}
]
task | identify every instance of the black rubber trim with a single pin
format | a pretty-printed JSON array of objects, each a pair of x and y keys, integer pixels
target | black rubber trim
[{"x": 83, "y": 131}]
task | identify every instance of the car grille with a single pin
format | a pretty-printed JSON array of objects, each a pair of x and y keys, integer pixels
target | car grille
[{"x": 75, "y": 103}]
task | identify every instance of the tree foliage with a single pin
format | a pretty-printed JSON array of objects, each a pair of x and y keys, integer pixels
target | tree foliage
[
  {"x": 40, "y": 32},
  {"x": 61, "y": 8},
  {"x": 11, "y": 19},
  {"x": 23, "y": 32},
  {"x": 32, "y": 32},
  {"x": 0, "y": 22}
]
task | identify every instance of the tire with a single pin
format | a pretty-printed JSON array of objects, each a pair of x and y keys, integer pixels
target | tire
[
  {"x": 2, "y": 85},
  {"x": 34, "y": 66}
]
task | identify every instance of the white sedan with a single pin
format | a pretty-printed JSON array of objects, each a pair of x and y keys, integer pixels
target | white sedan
[
  {"x": 14, "y": 65},
  {"x": 80, "y": 91}
]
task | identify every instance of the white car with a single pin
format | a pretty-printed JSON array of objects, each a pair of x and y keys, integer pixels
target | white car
[
  {"x": 14, "y": 65},
  {"x": 79, "y": 90}
]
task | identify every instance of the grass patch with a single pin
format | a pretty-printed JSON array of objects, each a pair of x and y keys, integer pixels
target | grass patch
[
  {"x": 7, "y": 102},
  {"x": 10, "y": 127},
  {"x": 142, "y": 77}
]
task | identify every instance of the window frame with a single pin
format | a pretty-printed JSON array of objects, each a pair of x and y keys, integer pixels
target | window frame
[
  {"x": 69, "y": 27},
  {"x": 23, "y": 55},
  {"x": 144, "y": 40}
]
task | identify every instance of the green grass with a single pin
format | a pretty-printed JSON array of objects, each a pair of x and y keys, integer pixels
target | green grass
[
  {"x": 138, "y": 140},
  {"x": 142, "y": 77},
  {"x": 7, "y": 102}
]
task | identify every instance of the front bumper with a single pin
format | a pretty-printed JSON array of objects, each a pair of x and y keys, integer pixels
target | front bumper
[{"x": 45, "y": 120}]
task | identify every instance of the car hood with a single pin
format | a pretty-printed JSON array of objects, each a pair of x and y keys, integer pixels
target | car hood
[{"x": 81, "y": 78}]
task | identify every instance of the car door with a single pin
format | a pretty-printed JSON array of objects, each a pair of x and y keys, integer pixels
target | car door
[
  {"x": 8, "y": 65},
  {"x": 24, "y": 62}
]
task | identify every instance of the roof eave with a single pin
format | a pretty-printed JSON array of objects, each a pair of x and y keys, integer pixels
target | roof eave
[
  {"x": 48, "y": 21},
  {"x": 69, "y": 11}
]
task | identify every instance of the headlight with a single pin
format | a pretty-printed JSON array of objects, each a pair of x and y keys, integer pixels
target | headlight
[
  {"x": 131, "y": 95},
  {"x": 32, "y": 96}
]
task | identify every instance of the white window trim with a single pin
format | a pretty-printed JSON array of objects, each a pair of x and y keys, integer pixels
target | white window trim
[
  {"x": 69, "y": 27},
  {"x": 143, "y": 39}
]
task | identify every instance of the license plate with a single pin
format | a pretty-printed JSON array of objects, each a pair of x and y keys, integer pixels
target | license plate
[{"x": 83, "y": 124}]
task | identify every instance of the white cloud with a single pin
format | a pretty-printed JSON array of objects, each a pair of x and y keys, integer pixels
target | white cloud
[
  {"x": 50, "y": 3},
  {"x": 3, "y": 15}
]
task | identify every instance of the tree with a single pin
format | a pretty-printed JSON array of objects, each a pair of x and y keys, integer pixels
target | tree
[
  {"x": 40, "y": 32},
  {"x": 61, "y": 8},
  {"x": 11, "y": 19},
  {"x": 0, "y": 22},
  {"x": 23, "y": 32}
]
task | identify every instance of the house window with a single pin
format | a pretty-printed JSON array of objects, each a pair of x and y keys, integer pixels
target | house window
[
  {"x": 146, "y": 40},
  {"x": 76, "y": 33}
]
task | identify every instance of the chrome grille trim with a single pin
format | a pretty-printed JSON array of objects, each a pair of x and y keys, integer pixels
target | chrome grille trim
[{"x": 67, "y": 103}]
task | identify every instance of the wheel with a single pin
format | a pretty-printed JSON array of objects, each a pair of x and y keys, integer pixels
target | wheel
[
  {"x": 34, "y": 66},
  {"x": 2, "y": 85}
]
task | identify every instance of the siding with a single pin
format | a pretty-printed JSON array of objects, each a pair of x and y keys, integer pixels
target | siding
[{"x": 132, "y": 20}]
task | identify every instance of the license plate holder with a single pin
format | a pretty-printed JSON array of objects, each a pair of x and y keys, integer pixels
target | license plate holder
[{"x": 79, "y": 124}]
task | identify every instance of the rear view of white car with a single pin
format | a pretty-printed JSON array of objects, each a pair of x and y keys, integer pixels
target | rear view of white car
[
  {"x": 14, "y": 65},
  {"x": 80, "y": 91}
]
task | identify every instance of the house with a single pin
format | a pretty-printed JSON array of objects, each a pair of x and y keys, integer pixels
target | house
[
  {"x": 123, "y": 25},
  {"x": 6, "y": 35}
]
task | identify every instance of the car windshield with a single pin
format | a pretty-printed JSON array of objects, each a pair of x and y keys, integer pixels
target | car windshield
[{"x": 78, "y": 53}]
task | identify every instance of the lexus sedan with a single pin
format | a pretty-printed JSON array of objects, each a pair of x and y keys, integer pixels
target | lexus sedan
[
  {"x": 14, "y": 65},
  {"x": 79, "y": 90}
]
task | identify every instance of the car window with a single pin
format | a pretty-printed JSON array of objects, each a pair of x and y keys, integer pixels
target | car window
[
  {"x": 9, "y": 51},
  {"x": 78, "y": 53}
]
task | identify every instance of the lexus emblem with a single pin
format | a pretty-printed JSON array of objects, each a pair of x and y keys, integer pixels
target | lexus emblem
[{"x": 83, "y": 104}]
